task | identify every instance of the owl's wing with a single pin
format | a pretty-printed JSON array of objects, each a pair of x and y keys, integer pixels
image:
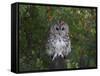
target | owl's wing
[
  {"x": 49, "y": 47},
  {"x": 67, "y": 49},
  {"x": 47, "y": 43}
]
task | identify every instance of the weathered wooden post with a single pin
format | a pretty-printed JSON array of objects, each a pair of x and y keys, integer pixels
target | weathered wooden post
[{"x": 57, "y": 63}]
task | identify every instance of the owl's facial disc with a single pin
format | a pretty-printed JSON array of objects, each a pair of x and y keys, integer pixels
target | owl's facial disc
[{"x": 60, "y": 28}]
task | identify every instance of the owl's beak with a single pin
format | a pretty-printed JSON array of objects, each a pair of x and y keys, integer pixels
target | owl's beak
[{"x": 59, "y": 33}]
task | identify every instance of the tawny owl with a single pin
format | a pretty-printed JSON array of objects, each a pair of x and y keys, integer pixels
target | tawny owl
[{"x": 59, "y": 43}]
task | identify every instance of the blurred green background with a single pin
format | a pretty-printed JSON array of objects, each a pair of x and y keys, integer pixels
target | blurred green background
[{"x": 34, "y": 21}]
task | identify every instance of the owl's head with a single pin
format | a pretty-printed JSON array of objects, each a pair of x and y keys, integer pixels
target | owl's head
[{"x": 60, "y": 28}]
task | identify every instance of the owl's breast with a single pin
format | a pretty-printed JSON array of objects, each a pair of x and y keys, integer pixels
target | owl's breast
[{"x": 59, "y": 43}]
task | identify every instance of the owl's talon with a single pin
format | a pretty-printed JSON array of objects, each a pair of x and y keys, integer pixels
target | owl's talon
[
  {"x": 55, "y": 55},
  {"x": 62, "y": 56}
]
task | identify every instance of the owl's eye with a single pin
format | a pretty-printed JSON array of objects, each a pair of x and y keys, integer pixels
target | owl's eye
[
  {"x": 62, "y": 28},
  {"x": 57, "y": 28}
]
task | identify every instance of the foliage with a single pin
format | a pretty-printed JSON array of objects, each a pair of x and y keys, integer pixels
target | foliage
[{"x": 34, "y": 22}]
